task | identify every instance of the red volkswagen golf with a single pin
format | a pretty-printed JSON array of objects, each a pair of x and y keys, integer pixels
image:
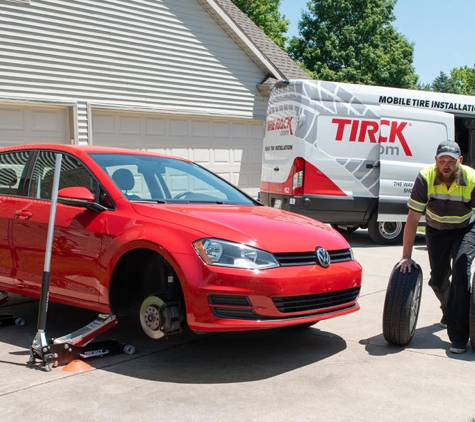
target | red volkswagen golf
[{"x": 166, "y": 240}]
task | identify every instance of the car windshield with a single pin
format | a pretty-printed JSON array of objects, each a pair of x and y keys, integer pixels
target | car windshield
[{"x": 167, "y": 180}]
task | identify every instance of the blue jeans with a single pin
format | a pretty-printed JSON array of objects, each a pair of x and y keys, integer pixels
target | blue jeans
[{"x": 451, "y": 253}]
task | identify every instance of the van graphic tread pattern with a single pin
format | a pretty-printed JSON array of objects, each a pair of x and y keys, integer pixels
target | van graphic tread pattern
[{"x": 335, "y": 101}]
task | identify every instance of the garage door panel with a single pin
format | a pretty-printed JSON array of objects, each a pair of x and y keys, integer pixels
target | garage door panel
[
  {"x": 12, "y": 119},
  {"x": 240, "y": 131},
  {"x": 155, "y": 126},
  {"x": 230, "y": 148},
  {"x": 129, "y": 125},
  {"x": 32, "y": 124},
  {"x": 178, "y": 128},
  {"x": 201, "y": 128},
  {"x": 220, "y": 130}
]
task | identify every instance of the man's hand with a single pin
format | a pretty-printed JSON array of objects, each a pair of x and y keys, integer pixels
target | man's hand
[{"x": 405, "y": 265}]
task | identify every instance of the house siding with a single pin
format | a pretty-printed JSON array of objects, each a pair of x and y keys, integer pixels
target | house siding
[{"x": 169, "y": 56}]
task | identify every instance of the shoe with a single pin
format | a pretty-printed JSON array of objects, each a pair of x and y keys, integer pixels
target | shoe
[
  {"x": 458, "y": 348},
  {"x": 443, "y": 322}
]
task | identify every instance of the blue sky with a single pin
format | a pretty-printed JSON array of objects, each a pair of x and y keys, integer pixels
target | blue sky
[{"x": 440, "y": 31}]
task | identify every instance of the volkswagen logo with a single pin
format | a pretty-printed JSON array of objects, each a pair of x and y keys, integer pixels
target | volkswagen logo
[{"x": 323, "y": 257}]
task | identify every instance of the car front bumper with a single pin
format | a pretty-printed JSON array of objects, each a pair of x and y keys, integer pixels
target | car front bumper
[{"x": 229, "y": 299}]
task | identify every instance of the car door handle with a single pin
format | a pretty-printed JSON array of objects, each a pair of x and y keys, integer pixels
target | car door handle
[{"x": 23, "y": 215}]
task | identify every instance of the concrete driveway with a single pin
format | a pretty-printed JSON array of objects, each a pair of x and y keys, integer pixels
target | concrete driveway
[{"x": 338, "y": 370}]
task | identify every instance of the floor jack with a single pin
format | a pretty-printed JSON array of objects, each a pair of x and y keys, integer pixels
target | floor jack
[
  {"x": 77, "y": 345},
  {"x": 63, "y": 350},
  {"x": 9, "y": 319}
]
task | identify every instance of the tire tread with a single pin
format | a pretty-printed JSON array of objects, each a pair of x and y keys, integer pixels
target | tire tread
[{"x": 397, "y": 306}]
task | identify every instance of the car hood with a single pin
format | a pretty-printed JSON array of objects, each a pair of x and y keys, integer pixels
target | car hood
[{"x": 259, "y": 226}]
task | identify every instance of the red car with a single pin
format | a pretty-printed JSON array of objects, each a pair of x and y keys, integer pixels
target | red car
[{"x": 167, "y": 240}]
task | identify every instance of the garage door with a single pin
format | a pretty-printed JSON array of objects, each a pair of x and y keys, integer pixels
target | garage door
[
  {"x": 231, "y": 148},
  {"x": 26, "y": 124}
]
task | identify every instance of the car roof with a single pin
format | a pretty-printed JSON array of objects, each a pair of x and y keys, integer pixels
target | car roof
[{"x": 84, "y": 149}]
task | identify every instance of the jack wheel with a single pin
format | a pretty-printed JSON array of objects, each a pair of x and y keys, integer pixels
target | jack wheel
[
  {"x": 20, "y": 322},
  {"x": 129, "y": 349}
]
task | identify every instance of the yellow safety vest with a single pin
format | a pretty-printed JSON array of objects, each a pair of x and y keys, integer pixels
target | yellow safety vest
[{"x": 445, "y": 208}]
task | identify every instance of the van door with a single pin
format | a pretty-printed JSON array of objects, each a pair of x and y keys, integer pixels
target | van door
[
  {"x": 408, "y": 142},
  {"x": 281, "y": 147}
]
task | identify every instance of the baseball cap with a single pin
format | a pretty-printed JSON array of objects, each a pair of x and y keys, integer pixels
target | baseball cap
[{"x": 449, "y": 148}]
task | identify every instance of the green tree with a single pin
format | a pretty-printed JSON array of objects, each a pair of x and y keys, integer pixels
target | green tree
[
  {"x": 423, "y": 87},
  {"x": 464, "y": 79},
  {"x": 444, "y": 83},
  {"x": 265, "y": 14},
  {"x": 353, "y": 41}
]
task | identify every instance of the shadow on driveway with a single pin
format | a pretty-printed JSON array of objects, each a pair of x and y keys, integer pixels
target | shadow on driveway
[
  {"x": 186, "y": 358},
  {"x": 425, "y": 340}
]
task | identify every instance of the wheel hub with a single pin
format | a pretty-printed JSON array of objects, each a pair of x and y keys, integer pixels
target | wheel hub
[{"x": 151, "y": 318}]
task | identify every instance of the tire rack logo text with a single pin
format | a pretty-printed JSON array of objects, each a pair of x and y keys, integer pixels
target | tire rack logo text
[
  {"x": 283, "y": 123},
  {"x": 361, "y": 130}
]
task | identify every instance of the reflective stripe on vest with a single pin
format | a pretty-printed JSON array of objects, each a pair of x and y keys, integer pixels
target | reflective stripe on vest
[{"x": 447, "y": 206}]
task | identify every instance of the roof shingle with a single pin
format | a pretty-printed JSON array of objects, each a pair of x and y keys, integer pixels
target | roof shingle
[{"x": 279, "y": 64}]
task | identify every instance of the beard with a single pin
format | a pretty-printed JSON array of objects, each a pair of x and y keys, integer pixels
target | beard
[{"x": 448, "y": 178}]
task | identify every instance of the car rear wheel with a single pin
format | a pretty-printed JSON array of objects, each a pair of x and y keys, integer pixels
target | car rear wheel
[{"x": 401, "y": 306}]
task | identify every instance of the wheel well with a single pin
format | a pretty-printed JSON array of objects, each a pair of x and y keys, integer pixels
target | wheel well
[{"x": 138, "y": 274}]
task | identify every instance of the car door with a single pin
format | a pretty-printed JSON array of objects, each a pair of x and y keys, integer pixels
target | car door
[
  {"x": 12, "y": 166},
  {"x": 77, "y": 241}
]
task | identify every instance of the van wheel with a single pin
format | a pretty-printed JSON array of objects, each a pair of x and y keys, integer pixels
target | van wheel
[
  {"x": 472, "y": 315},
  {"x": 385, "y": 232},
  {"x": 401, "y": 306}
]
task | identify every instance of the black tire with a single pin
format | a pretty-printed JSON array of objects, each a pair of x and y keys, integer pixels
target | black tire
[
  {"x": 401, "y": 306},
  {"x": 385, "y": 232},
  {"x": 472, "y": 315}
]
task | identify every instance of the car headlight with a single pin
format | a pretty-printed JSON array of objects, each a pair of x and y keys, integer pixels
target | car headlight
[{"x": 230, "y": 254}]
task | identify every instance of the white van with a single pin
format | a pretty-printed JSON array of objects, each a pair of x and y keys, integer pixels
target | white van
[{"x": 348, "y": 154}]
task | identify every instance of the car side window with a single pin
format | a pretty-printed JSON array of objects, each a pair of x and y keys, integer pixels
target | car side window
[
  {"x": 73, "y": 173},
  {"x": 12, "y": 166}
]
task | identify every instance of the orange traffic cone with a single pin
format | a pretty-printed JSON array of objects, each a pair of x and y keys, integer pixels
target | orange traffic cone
[{"x": 77, "y": 366}]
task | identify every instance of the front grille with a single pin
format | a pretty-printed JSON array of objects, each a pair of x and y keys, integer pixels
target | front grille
[
  {"x": 314, "y": 302},
  {"x": 309, "y": 258}
]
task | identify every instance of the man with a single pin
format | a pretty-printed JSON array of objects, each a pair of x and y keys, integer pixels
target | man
[{"x": 446, "y": 192}]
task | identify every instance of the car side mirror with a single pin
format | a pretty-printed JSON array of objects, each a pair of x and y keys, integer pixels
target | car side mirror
[{"x": 79, "y": 196}]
